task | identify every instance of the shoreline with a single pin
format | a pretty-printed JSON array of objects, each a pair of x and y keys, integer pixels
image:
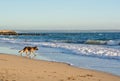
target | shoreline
[
  {"x": 25, "y": 69},
  {"x": 71, "y": 65}
]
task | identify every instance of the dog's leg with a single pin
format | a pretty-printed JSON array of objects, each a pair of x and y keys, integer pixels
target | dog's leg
[
  {"x": 21, "y": 52},
  {"x": 34, "y": 53},
  {"x": 27, "y": 54},
  {"x": 30, "y": 53}
]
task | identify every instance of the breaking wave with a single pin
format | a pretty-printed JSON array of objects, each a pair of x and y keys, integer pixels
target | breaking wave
[{"x": 103, "y": 42}]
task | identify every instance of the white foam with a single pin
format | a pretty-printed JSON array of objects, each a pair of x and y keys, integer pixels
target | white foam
[
  {"x": 7, "y": 39},
  {"x": 90, "y": 50},
  {"x": 112, "y": 42}
]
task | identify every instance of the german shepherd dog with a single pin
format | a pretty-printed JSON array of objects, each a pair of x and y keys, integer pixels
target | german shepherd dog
[{"x": 28, "y": 49}]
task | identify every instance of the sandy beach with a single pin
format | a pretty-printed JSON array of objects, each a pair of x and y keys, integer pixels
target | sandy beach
[{"x": 18, "y": 68}]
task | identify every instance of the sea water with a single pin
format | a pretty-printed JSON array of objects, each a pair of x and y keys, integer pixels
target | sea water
[{"x": 91, "y": 50}]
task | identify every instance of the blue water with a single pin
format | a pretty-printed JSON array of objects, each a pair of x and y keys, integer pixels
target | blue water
[{"x": 91, "y": 50}]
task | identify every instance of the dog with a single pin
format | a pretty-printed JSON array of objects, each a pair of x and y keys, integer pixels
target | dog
[{"x": 28, "y": 49}]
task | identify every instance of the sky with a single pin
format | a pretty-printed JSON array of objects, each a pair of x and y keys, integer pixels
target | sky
[{"x": 60, "y": 14}]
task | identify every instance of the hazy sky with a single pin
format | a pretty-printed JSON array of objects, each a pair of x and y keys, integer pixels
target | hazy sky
[{"x": 60, "y": 14}]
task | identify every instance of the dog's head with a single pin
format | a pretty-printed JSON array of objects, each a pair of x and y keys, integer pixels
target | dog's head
[{"x": 36, "y": 48}]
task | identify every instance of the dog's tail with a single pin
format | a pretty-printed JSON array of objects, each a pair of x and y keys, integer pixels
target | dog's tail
[{"x": 20, "y": 51}]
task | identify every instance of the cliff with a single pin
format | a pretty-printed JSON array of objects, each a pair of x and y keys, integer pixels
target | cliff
[{"x": 7, "y": 32}]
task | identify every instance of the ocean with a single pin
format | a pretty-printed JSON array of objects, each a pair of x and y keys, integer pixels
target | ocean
[{"x": 96, "y": 50}]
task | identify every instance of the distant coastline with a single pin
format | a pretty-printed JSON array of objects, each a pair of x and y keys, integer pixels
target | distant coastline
[{"x": 7, "y": 32}]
